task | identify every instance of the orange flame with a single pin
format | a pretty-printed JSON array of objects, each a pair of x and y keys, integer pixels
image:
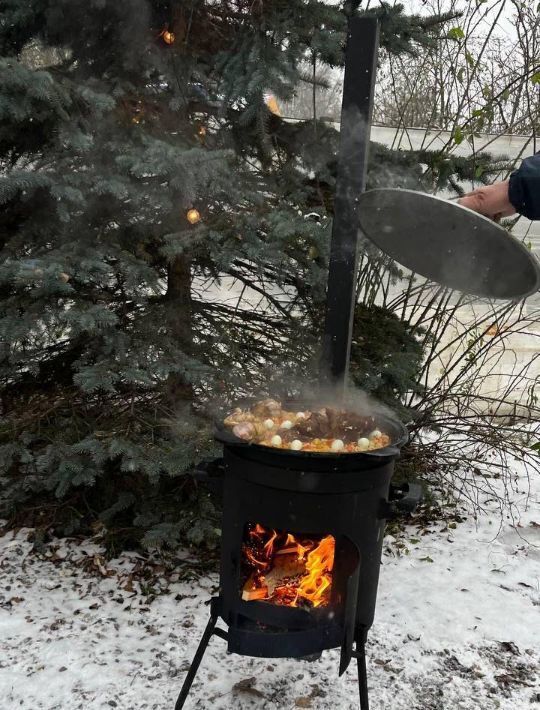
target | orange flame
[
  {"x": 269, "y": 547},
  {"x": 301, "y": 550},
  {"x": 263, "y": 564},
  {"x": 319, "y": 565}
]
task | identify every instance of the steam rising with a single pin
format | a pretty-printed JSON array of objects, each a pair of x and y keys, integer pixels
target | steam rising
[
  {"x": 300, "y": 396},
  {"x": 353, "y": 400}
]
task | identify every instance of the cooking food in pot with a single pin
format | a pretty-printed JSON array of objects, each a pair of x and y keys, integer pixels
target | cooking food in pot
[{"x": 323, "y": 430}]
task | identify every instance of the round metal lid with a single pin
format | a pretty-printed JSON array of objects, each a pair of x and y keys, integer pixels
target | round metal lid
[{"x": 448, "y": 244}]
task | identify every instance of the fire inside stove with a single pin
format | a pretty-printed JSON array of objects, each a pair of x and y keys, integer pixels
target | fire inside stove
[{"x": 285, "y": 569}]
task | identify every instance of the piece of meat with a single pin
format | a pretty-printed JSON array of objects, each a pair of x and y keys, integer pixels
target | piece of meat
[
  {"x": 250, "y": 431},
  {"x": 355, "y": 426},
  {"x": 332, "y": 423},
  {"x": 268, "y": 408},
  {"x": 314, "y": 427},
  {"x": 245, "y": 430}
]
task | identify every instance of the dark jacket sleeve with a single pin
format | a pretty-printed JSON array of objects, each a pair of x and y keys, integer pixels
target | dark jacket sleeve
[{"x": 524, "y": 189}]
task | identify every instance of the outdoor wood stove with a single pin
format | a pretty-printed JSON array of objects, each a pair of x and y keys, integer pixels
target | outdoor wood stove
[
  {"x": 282, "y": 509},
  {"x": 317, "y": 518}
]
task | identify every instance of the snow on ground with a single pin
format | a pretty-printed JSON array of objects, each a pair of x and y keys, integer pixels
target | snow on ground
[{"x": 457, "y": 627}]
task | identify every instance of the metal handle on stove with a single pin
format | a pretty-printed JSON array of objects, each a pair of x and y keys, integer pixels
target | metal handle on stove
[
  {"x": 210, "y": 474},
  {"x": 405, "y": 500},
  {"x": 410, "y": 500}
]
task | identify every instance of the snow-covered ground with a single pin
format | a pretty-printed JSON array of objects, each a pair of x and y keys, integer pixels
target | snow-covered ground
[{"x": 457, "y": 627}]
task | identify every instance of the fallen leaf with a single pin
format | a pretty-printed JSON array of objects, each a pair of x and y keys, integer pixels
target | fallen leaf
[
  {"x": 509, "y": 646},
  {"x": 317, "y": 692},
  {"x": 504, "y": 679},
  {"x": 100, "y": 566},
  {"x": 303, "y": 702},
  {"x": 246, "y": 686}
]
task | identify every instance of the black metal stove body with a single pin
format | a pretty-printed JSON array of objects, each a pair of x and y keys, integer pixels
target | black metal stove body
[
  {"x": 347, "y": 496},
  {"x": 340, "y": 500},
  {"x": 342, "y": 495}
]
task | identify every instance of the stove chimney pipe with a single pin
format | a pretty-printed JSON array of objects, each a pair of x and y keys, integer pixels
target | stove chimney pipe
[{"x": 356, "y": 113}]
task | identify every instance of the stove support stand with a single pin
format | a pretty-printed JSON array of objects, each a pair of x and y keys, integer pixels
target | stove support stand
[
  {"x": 360, "y": 655},
  {"x": 211, "y": 630},
  {"x": 194, "y": 667}
]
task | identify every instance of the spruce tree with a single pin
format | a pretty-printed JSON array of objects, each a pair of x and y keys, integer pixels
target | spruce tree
[{"x": 139, "y": 162}]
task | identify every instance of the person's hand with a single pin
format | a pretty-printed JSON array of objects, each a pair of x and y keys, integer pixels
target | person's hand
[{"x": 491, "y": 201}]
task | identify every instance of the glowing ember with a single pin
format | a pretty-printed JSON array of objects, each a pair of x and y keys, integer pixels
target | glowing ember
[{"x": 285, "y": 569}]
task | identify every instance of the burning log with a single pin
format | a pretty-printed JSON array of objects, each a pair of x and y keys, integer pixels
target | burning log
[
  {"x": 285, "y": 570},
  {"x": 254, "y": 589}
]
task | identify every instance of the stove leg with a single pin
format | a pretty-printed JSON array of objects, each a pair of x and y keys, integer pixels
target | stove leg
[
  {"x": 362, "y": 676},
  {"x": 196, "y": 663}
]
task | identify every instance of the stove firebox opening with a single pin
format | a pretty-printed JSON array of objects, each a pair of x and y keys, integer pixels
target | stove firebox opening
[{"x": 286, "y": 568}]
